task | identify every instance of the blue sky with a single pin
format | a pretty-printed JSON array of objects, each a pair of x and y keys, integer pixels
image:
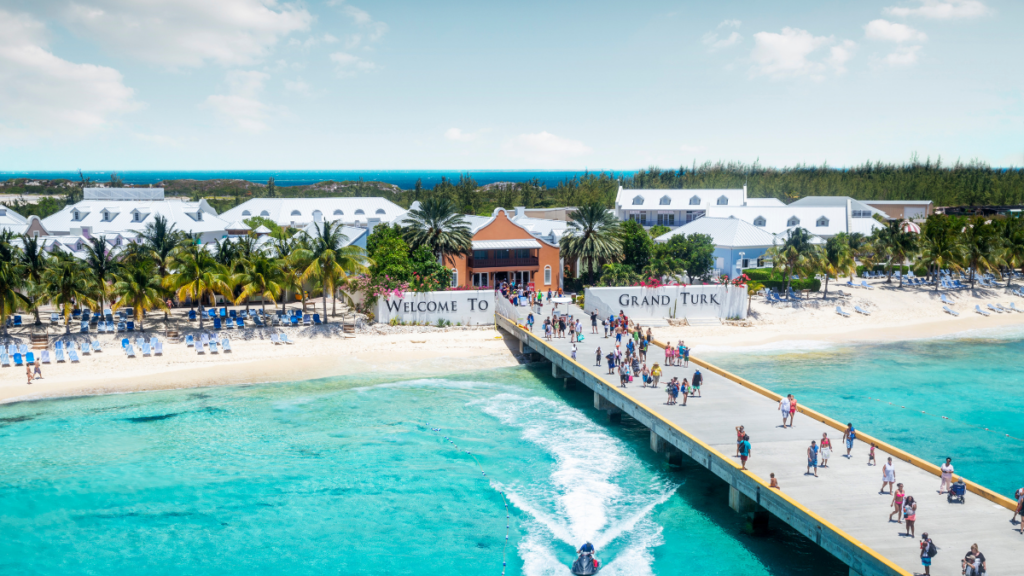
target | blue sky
[{"x": 351, "y": 84}]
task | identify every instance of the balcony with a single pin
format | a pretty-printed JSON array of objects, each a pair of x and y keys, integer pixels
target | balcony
[{"x": 528, "y": 262}]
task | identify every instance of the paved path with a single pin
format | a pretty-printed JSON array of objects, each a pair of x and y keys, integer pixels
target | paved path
[{"x": 847, "y": 492}]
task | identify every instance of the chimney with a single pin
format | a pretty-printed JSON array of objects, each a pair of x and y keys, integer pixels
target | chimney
[
  {"x": 87, "y": 231},
  {"x": 744, "y": 195},
  {"x": 520, "y": 211}
]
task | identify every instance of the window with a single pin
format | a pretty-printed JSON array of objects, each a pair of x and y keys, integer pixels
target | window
[
  {"x": 695, "y": 201},
  {"x": 501, "y": 254},
  {"x": 723, "y": 201},
  {"x": 317, "y": 215},
  {"x": 643, "y": 218},
  {"x": 136, "y": 216},
  {"x": 339, "y": 213},
  {"x": 547, "y": 275},
  {"x": 822, "y": 222},
  {"x": 671, "y": 219},
  {"x": 76, "y": 215},
  {"x": 379, "y": 211},
  {"x": 661, "y": 219},
  {"x": 760, "y": 221},
  {"x": 638, "y": 201},
  {"x": 455, "y": 278},
  {"x": 265, "y": 214},
  {"x": 360, "y": 211},
  {"x": 665, "y": 201},
  {"x": 522, "y": 253},
  {"x": 861, "y": 213},
  {"x": 246, "y": 213},
  {"x": 35, "y": 234},
  {"x": 793, "y": 221},
  {"x": 296, "y": 213},
  {"x": 480, "y": 254},
  {"x": 108, "y": 216}
]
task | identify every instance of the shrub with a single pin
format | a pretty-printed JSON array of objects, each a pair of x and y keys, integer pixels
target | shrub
[{"x": 918, "y": 270}]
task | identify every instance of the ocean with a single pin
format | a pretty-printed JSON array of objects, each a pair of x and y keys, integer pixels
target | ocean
[{"x": 405, "y": 179}]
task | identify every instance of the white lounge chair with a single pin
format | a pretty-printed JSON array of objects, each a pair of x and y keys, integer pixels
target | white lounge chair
[
  {"x": 284, "y": 339},
  {"x": 994, "y": 309},
  {"x": 980, "y": 311},
  {"x": 158, "y": 348},
  {"x": 44, "y": 357},
  {"x": 213, "y": 347},
  {"x": 85, "y": 348},
  {"x": 275, "y": 339},
  {"x": 862, "y": 311},
  {"x": 950, "y": 311},
  {"x": 5, "y": 360},
  {"x": 72, "y": 355},
  {"x": 96, "y": 346},
  {"x": 841, "y": 313},
  {"x": 146, "y": 351},
  {"x": 130, "y": 351},
  {"x": 226, "y": 345}
]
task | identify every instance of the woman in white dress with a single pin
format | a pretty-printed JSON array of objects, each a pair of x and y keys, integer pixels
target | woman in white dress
[
  {"x": 947, "y": 475},
  {"x": 825, "y": 450},
  {"x": 888, "y": 476}
]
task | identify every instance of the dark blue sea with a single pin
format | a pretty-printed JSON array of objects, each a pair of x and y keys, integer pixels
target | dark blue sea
[{"x": 405, "y": 179}]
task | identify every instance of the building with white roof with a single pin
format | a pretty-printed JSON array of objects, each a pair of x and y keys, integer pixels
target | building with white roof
[
  {"x": 12, "y": 221},
  {"x": 673, "y": 207},
  {"x": 738, "y": 244},
  {"x": 127, "y": 211},
  {"x": 299, "y": 212}
]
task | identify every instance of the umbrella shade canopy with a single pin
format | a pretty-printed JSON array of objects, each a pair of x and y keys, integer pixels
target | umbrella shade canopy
[
  {"x": 561, "y": 300},
  {"x": 911, "y": 227}
]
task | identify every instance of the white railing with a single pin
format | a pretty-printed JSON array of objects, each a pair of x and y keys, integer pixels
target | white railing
[{"x": 505, "y": 308}]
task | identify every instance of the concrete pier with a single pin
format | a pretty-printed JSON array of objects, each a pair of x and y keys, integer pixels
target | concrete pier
[{"x": 841, "y": 510}]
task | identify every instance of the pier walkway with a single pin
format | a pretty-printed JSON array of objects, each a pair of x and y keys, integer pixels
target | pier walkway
[{"x": 841, "y": 510}]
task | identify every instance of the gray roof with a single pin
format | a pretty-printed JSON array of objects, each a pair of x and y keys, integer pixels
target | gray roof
[
  {"x": 899, "y": 202},
  {"x": 820, "y": 201},
  {"x": 726, "y": 232}
]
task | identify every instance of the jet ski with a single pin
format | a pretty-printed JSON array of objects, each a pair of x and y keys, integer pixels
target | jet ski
[{"x": 585, "y": 565}]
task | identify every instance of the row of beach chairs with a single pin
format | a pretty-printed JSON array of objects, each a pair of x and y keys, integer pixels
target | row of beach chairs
[
  {"x": 844, "y": 314},
  {"x": 151, "y": 347},
  {"x": 259, "y": 320},
  {"x": 21, "y": 355},
  {"x": 206, "y": 342}
]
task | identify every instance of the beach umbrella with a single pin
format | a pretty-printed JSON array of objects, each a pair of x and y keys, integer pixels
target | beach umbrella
[{"x": 911, "y": 227}]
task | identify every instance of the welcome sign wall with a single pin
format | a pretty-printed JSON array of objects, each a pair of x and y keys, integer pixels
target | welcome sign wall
[
  {"x": 466, "y": 307},
  {"x": 715, "y": 301}
]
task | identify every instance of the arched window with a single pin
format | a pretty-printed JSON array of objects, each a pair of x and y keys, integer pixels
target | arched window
[
  {"x": 296, "y": 213},
  {"x": 339, "y": 213},
  {"x": 265, "y": 214},
  {"x": 638, "y": 200},
  {"x": 318, "y": 215},
  {"x": 547, "y": 275},
  {"x": 455, "y": 278},
  {"x": 695, "y": 201},
  {"x": 822, "y": 222},
  {"x": 246, "y": 213},
  {"x": 759, "y": 221},
  {"x": 379, "y": 211},
  {"x": 665, "y": 201},
  {"x": 360, "y": 211},
  {"x": 793, "y": 221},
  {"x": 723, "y": 201}
]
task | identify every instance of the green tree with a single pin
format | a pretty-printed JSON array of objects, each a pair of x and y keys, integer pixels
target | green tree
[
  {"x": 592, "y": 237},
  {"x": 198, "y": 276},
  {"x": 637, "y": 246},
  {"x": 440, "y": 228},
  {"x": 940, "y": 245},
  {"x": 381, "y": 234},
  {"x": 391, "y": 259},
  {"x": 618, "y": 274},
  {"x": 1011, "y": 231},
  {"x": 137, "y": 285},
  {"x": 981, "y": 246},
  {"x": 33, "y": 261},
  {"x": 895, "y": 244},
  {"x": 658, "y": 230},
  {"x": 860, "y": 247},
  {"x": 12, "y": 280},
  {"x": 836, "y": 259},
  {"x": 332, "y": 261},
  {"x": 101, "y": 263},
  {"x": 465, "y": 192},
  {"x": 260, "y": 276},
  {"x": 795, "y": 255},
  {"x": 428, "y": 275},
  {"x": 65, "y": 283}
]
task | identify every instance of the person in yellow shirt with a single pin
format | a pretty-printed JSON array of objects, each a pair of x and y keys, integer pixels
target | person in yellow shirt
[{"x": 656, "y": 375}]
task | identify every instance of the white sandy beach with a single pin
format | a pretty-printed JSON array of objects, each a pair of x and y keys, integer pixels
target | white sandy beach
[{"x": 896, "y": 314}]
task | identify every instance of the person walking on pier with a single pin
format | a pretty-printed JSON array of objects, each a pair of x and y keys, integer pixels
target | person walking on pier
[
  {"x": 812, "y": 458},
  {"x": 739, "y": 438},
  {"x": 849, "y": 436},
  {"x": 593, "y": 323},
  {"x": 1020, "y": 509},
  {"x": 947, "y": 475},
  {"x": 698, "y": 379},
  {"x": 888, "y": 476},
  {"x": 897, "y": 504},
  {"x": 909, "y": 514},
  {"x": 744, "y": 452},
  {"x": 928, "y": 551},
  {"x": 784, "y": 408},
  {"x": 826, "y": 449},
  {"x": 685, "y": 387},
  {"x": 598, "y": 356},
  {"x": 611, "y": 363},
  {"x": 792, "y": 409},
  {"x": 573, "y": 351},
  {"x": 655, "y": 375},
  {"x": 529, "y": 321}
]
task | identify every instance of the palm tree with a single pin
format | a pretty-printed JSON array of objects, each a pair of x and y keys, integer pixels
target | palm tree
[
  {"x": 12, "y": 279},
  {"x": 161, "y": 239},
  {"x": 33, "y": 260},
  {"x": 197, "y": 275},
  {"x": 752, "y": 289},
  {"x": 1012, "y": 232},
  {"x": 437, "y": 225},
  {"x": 101, "y": 264},
  {"x": 897, "y": 244},
  {"x": 292, "y": 267},
  {"x": 981, "y": 247},
  {"x": 332, "y": 260},
  {"x": 138, "y": 286},
  {"x": 593, "y": 237},
  {"x": 836, "y": 259},
  {"x": 860, "y": 248},
  {"x": 794, "y": 255},
  {"x": 260, "y": 276},
  {"x": 940, "y": 248},
  {"x": 65, "y": 282}
]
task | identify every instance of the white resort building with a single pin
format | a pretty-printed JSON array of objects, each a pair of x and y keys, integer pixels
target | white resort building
[{"x": 300, "y": 212}]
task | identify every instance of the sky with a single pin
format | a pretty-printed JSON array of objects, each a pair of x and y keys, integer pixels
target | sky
[{"x": 531, "y": 84}]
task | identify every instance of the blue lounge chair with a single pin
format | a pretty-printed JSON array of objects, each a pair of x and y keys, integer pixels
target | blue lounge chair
[
  {"x": 86, "y": 349},
  {"x": 96, "y": 346},
  {"x": 216, "y": 324},
  {"x": 72, "y": 355},
  {"x": 153, "y": 341},
  {"x": 862, "y": 311},
  {"x": 59, "y": 345},
  {"x": 980, "y": 311},
  {"x": 146, "y": 350},
  {"x": 191, "y": 315},
  {"x": 130, "y": 351},
  {"x": 44, "y": 356},
  {"x": 841, "y": 313},
  {"x": 213, "y": 347},
  {"x": 850, "y": 284},
  {"x": 295, "y": 320},
  {"x": 86, "y": 315},
  {"x": 30, "y": 358},
  {"x": 223, "y": 312},
  {"x": 5, "y": 360},
  {"x": 240, "y": 323},
  {"x": 124, "y": 344},
  {"x": 276, "y": 339},
  {"x": 17, "y": 321},
  {"x": 130, "y": 326},
  {"x": 864, "y": 284},
  {"x": 233, "y": 314},
  {"x": 284, "y": 339},
  {"x": 76, "y": 314},
  {"x": 316, "y": 319},
  {"x": 204, "y": 340},
  {"x": 58, "y": 355},
  {"x": 158, "y": 348},
  {"x": 258, "y": 321},
  {"x": 110, "y": 327},
  {"x": 226, "y": 345},
  {"x": 190, "y": 340},
  {"x": 17, "y": 359},
  {"x": 85, "y": 327},
  {"x": 23, "y": 348},
  {"x": 946, "y": 300},
  {"x": 307, "y": 319},
  {"x": 109, "y": 316},
  {"x": 1014, "y": 308},
  {"x": 54, "y": 317}
]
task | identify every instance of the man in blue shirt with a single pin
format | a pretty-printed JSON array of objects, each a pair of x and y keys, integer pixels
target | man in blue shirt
[
  {"x": 587, "y": 548},
  {"x": 744, "y": 451}
]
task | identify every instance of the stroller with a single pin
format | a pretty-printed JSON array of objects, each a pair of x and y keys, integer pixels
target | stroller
[{"x": 957, "y": 491}]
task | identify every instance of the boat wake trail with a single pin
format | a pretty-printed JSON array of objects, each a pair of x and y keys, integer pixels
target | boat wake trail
[{"x": 596, "y": 490}]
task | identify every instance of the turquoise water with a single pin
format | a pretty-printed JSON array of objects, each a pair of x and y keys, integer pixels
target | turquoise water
[
  {"x": 345, "y": 476},
  {"x": 899, "y": 392}
]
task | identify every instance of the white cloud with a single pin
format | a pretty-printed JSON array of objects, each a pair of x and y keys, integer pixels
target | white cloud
[
  {"x": 892, "y": 32},
  {"x": 460, "y": 136},
  {"x": 186, "y": 33},
  {"x": 349, "y": 64},
  {"x": 370, "y": 30},
  {"x": 730, "y": 24},
  {"x": 241, "y": 105},
  {"x": 545, "y": 148},
  {"x": 41, "y": 93},
  {"x": 298, "y": 86},
  {"x": 903, "y": 56},
  {"x": 942, "y": 9},
  {"x": 714, "y": 42},
  {"x": 791, "y": 54}
]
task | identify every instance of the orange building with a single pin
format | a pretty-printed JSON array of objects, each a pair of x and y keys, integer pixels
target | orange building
[{"x": 504, "y": 251}]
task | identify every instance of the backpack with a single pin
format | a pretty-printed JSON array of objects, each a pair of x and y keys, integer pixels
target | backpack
[{"x": 932, "y": 550}]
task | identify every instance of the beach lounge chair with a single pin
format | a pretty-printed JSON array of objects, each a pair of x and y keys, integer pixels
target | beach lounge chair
[
  {"x": 275, "y": 339},
  {"x": 306, "y": 320},
  {"x": 258, "y": 321},
  {"x": 44, "y": 356},
  {"x": 130, "y": 351},
  {"x": 226, "y": 345},
  {"x": 1014, "y": 308},
  {"x": 110, "y": 327},
  {"x": 316, "y": 319},
  {"x": 841, "y": 313},
  {"x": 191, "y": 315},
  {"x": 5, "y": 360},
  {"x": 85, "y": 327},
  {"x": 54, "y": 317},
  {"x": 994, "y": 309},
  {"x": 980, "y": 311},
  {"x": 190, "y": 340},
  {"x": 138, "y": 342},
  {"x": 30, "y": 358},
  {"x": 213, "y": 347},
  {"x": 223, "y": 312},
  {"x": 229, "y": 324},
  {"x": 285, "y": 340},
  {"x": 240, "y": 323},
  {"x": 146, "y": 351},
  {"x": 864, "y": 284},
  {"x": 109, "y": 316},
  {"x": 76, "y": 313},
  {"x": 11, "y": 350},
  {"x": 72, "y": 355},
  {"x": 945, "y": 300},
  {"x": 158, "y": 348},
  {"x": 216, "y": 324},
  {"x": 124, "y": 344},
  {"x": 23, "y": 348},
  {"x": 58, "y": 354},
  {"x": 17, "y": 359},
  {"x": 295, "y": 320},
  {"x": 101, "y": 327},
  {"x": 204, "y": 339},
  {"x": 130, "y": 326},
  {"x": 122, "y": 315},
  {"x": 153, "y": 341},
  {"x": 233, "y": 314},
  {"x": 86, "y": 349},
  {"x": 96, "y": 346}
]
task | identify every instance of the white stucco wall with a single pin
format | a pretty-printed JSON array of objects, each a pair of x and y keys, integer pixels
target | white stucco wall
[
  {"x": 716, "y": 301},
  {"x": 468, "y": 307}
]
